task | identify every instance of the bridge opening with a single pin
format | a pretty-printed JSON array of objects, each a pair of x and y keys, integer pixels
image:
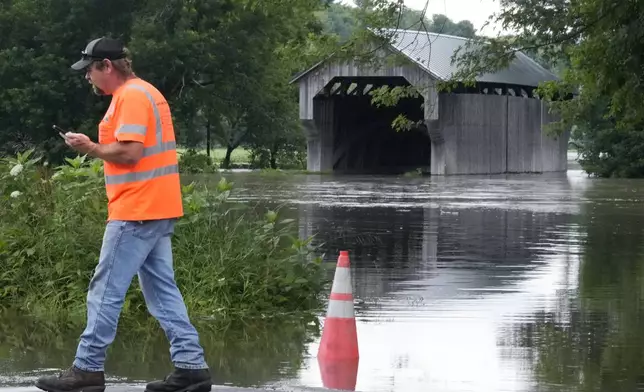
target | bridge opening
[{"x": 358, "y": 135}]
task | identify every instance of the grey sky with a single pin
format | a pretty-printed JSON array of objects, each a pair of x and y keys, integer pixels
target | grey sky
[{"x": 476, "y": 11}]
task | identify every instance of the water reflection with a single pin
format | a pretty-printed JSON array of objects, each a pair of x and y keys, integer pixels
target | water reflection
[
  {"x": 238, "y": 354},
  {"x": 434, "y": 283},
  {"x": 594, "y": 340},
  {"x": 443, "y": 251}
]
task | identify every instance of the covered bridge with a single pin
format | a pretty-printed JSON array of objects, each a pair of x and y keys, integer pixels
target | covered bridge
[{"x": 495, "y": 127}]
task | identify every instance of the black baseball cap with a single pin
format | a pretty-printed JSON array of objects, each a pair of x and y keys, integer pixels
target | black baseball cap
[{"x": 99, "y": 49}]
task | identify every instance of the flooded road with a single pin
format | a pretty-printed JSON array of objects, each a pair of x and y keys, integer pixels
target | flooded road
[{"x": 494, "y": 283}]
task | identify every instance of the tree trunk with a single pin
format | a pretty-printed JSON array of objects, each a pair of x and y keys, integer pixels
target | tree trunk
[
  {"x": 226, "y": 163},
  {"x": 273, "y": 157},
  {"x": 208, "y": 138}
]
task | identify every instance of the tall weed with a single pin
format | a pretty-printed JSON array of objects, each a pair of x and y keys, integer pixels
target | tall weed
[{"x": 231, "y": 260}]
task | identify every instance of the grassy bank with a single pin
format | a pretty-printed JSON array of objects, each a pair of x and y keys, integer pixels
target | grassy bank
[
  {"x": 231, "y": 260},
  {"x": 240, "y": 157},
  {"x": 197, "y": 161}
]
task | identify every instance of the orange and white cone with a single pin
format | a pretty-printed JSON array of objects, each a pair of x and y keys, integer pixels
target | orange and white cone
[
  {"x": 338, "y": 354},
  {"x": 339, "y": 337}
]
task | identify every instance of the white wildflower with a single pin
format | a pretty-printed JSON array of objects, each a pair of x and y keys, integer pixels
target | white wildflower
[
  {"x": 16, "y": 170},
  {"x": 15, "y": 194}
]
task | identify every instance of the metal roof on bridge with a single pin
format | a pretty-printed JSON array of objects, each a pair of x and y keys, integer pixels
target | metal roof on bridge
[{"x": 433, "y": 53}]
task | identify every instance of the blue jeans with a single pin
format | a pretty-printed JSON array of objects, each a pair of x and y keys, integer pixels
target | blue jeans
[{"x": 143, "y": 248}]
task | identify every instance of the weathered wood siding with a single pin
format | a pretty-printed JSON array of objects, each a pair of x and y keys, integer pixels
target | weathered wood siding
[
  {"x": 488, "y": 134},
  {"x": 474, "y": 133},
  {"x": 555, "y": 148},
  {"x": 312, "y": 84},
  {"x": 320, "y": 132},
  {"x": 530, "y": 148}
]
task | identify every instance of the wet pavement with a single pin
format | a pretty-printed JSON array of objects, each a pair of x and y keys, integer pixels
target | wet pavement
[
  {"x": 477, "y": 283},
  {"x": 216, "y": 388}
]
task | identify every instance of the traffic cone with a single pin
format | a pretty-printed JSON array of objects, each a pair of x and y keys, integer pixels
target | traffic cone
[
  {"x": 341, "y": 374},
  {"x": 339, "y": 336}
]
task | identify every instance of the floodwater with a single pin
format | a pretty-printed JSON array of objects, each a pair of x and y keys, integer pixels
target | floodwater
[{"x": 484, "y": 283}]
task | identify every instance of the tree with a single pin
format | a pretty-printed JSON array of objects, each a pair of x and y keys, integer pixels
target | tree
[
  {"x": 40, "y": 40},
  {"x": 279, "y": 135},
  {"x": 212, "y": 60}
]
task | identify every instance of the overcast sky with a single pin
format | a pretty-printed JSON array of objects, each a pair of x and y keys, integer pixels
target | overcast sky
[{"x": 476, "y": 11}]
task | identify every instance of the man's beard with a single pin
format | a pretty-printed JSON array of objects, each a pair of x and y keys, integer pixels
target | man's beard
[{"x": 97, "y": 90}]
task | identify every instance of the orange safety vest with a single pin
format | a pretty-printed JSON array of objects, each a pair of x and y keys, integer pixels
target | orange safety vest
[{"x": 150, "y": 189}]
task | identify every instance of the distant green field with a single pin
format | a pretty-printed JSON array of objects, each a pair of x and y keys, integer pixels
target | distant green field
[{"x": 239, "y": 155}]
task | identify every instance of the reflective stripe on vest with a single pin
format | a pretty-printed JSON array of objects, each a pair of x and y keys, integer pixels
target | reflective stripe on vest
[
  {"x": 132, "y": 128},
  {"x": 141, "y": 176},
  {"x": 160, "y": 147}
]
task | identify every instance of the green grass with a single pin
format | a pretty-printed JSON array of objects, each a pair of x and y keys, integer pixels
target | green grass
[{"x": 239, "y": 155}]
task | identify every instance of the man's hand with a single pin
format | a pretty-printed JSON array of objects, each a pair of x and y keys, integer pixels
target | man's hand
[
  {"x": 80, "y": 142},
  {"x": 124, "y": 153}
]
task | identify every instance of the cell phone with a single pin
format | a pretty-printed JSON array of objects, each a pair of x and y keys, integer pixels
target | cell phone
[{"x": 60, "y": 131}]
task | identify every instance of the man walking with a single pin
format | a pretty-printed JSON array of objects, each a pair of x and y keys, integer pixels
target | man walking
[{"x": 137, "y": 145}]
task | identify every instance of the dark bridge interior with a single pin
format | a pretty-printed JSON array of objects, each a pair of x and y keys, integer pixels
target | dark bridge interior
[{"x": 363, "y": 138}]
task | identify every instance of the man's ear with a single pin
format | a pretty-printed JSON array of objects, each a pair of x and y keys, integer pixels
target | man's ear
[{"x": 107, "y": 65}]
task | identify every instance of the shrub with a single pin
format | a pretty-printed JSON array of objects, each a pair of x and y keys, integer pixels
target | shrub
[
  {"x": 291, "y": 158},
  {"x": 194, "y": 162},
  {"x": 230, "y": 259}
]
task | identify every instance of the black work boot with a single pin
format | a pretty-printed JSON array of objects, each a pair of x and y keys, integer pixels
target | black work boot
[
  {"x": 73, "y": 380},
  {"x": 183, "y": 380}
]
